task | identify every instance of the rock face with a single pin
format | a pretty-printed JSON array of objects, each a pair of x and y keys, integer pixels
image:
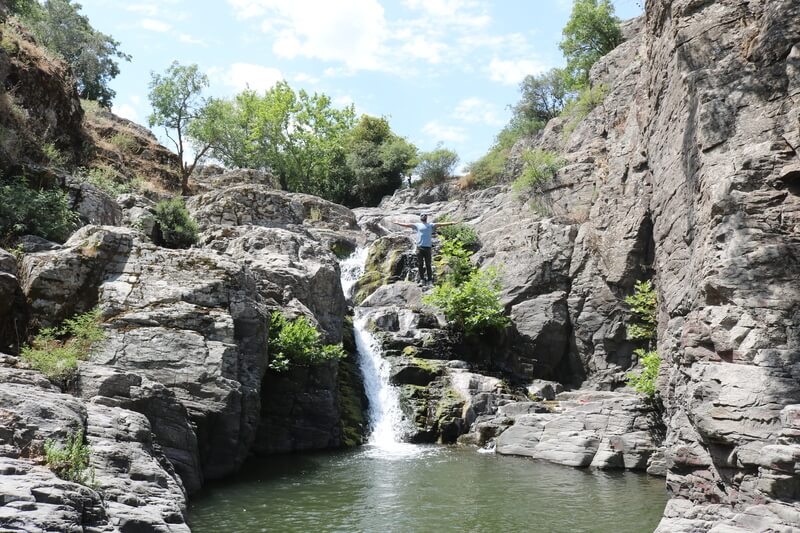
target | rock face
[
  {"x": 135, "y": 486},
  {"x": 687, "y": 174}
]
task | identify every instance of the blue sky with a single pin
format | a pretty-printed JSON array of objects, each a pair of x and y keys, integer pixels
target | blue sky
[{"x": 439, "y": 70}]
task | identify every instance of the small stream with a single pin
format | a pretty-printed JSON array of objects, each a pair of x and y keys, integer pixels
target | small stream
[{"x": 391, "y": 486}]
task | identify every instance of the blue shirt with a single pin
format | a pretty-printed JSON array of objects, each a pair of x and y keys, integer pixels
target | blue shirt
[{"x": 424, "y": 234}]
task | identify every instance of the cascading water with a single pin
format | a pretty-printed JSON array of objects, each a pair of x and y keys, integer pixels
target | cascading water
[{"x": 386, "y": 420}]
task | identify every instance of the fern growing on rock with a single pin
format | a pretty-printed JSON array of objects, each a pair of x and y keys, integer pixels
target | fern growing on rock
[{"x": 297, "y": 342}]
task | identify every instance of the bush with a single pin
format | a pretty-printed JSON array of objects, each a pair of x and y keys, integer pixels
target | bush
[
  {"x": 472, "y": 306},
  {"x": 55, "y": 157},
  {"x": 436, "y": 166},
  {"x": 178, "y": 228},
  {"x": 108, "y": 180},
  {"x": 642, "y": 304},
  {"x": 56, "y": 351},
  {"x": 539, "y": 167},
  {"x": 298, "y": 342},
  {"x": 123, "y": 142},
  {"x": 71, "y": 461},
  {"x": 22, "y": 207},
  {"x": 579, "y": 108},
  {"x": 454, "y": 262},
  {"x": 645, "y": 381},
  {"x": 461, "y": 232}
]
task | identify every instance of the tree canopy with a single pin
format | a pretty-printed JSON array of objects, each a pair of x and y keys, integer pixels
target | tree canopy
[
  {"x": 437, "y": 165},
  {"x": 177, "y": 102},
  {"x": 592, "y": 32},
  {"x": 93, "y": 56},
  {"x": 310, "y": 145}
]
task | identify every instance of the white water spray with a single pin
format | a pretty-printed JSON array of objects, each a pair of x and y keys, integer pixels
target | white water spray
[{"x": 387, "y": 424}]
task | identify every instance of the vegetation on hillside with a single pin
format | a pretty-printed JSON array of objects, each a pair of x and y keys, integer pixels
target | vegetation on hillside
[
  {"x": 70, "y": 461},
  {"x": 56, "y": 351},
  {"x": 591, "y": 32},
  {"x": 468, "y": 297},
  {"x": 178, "y": 228},
  {"x": 437, "y": 165},
  {"x": 22, "y": 205},
  {"x": 297, "y": 342},
  {"x": 93, "y": 56},
  {"x": 642, "y": 328}
]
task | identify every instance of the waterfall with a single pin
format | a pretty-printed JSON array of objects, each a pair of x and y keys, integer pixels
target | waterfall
[
  {"x": 386, "y": 419},
  {"x": 351, "y": 269}
]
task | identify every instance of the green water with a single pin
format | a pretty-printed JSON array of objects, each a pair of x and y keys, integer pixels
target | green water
[{"x": 425, "y": 489}]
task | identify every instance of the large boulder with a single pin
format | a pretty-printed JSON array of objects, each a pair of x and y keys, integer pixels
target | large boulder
[
  {"x": 187, "y": 319},
  {"x": 134, "y": 485}
]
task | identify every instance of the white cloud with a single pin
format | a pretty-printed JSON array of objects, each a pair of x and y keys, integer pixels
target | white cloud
[
  {"x": 444, "y": 132},
  {"x": 347, "y": 31},
  {"x": 511, "y": 72},
  {"x": 188, "y": 39},
  {"x": 302, "y": 77},
  {"x": 240, "y": 76},
  {"x": 126, "y": 111},
  {"x": 155, "y": 25},
  {"x": 461, "y": 12},
  {"x": 476, "y": 110},
  {"x": 149, "y": 10}
]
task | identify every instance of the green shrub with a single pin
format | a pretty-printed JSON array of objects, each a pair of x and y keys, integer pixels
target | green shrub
[
  {"x": 579, "y": 108},
  {"x": 642, "y": 304},
  {"x": 178, "y": 228},
  {"x": 108, "y": 180},
  {"x": 591, "y": 32},
  {"x": 22, "y": 207},
  {"x": 539, "y": 167},
  {"x": 453, "y": 261},
  {"x": 124, "y": 142},
  {"x": 460, "y": 232},
  {"x": 56, "y": 351},
  {"x": 71, "y": 461},
  {"x": 298, "y": 342},
  {"x": 488, "y": 170},
  {"x": 54, "y": 156},
  {"x": 472, "y": 306},
  {"x": 645, "y": 381}
]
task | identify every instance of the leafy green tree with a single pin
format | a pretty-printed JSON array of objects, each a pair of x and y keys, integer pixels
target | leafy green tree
[
  {"x": 298, "y": 136},
  {"x": 591, "y": 32},
  {"x": 175, "y": 97},
  {"x": 437, "y": 165},
  {"x": 21, "y": 7},
  {"x": 93, "y": 56},
  {"x": 378, "y": 159},
  {"x": 543, "y": 97}
]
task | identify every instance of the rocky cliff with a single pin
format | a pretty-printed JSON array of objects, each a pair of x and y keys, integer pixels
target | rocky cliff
[{"x": 687, "y": 174}]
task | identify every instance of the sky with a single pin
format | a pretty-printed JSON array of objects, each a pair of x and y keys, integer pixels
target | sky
[{"x": 441, "y": 71}]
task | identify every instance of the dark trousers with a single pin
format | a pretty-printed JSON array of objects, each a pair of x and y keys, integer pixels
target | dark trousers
[{"x": 424, "y": 261}]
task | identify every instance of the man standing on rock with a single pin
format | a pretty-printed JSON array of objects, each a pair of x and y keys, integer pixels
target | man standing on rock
[{"x": 424, "y": 244}]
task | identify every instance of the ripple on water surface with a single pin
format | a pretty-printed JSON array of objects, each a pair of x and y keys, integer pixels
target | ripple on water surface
[{"x": 425, "y": 488}]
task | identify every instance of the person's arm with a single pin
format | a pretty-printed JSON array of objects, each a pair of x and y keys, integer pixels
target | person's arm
[
  {"x": 438, "y": 224},
  {"x": 403, "y": 224}
]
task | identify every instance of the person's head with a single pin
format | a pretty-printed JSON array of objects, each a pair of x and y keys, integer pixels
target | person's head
[{"x": 424, "y": 217}]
